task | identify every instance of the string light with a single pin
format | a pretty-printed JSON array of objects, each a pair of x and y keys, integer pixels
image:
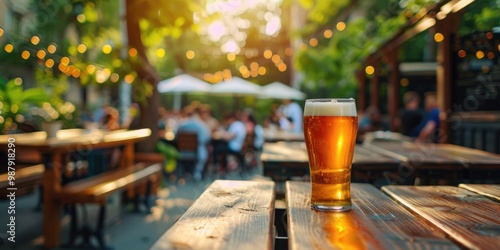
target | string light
[
  {"x": 268, "y": 54},
  {"x": 41, "y": 54},
  {"x": 369, "y": 70},
  {"x": 438, "y": 37},
  {"x": 49, "y": 63},
  {"x": 340, "y": 26},
  {"x": 313, "y": 42},
  {"x": 25, "y": 55},
  {"x": 480, "y": 54},
  {"x": 35, "y": 40},
  {"x": 81, "y": 48},
  {"x": 328, "y": 33},
  {"x": 51, "y": 49},
  {"x": 9, "y": 47}
]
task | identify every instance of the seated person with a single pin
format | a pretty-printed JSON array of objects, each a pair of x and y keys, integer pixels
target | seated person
[
  {"x": 191, "y": 124},
  {"x": 411, "y": 116},
  {"x": 428, "y": 130},
  {"x": 231, "y": 139}
]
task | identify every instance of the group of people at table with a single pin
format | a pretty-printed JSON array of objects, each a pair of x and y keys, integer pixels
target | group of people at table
[
  {"x": 239, "y": 130},
  {"x": 217, "y": 140}
]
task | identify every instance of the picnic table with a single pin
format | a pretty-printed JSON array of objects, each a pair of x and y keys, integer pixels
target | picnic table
[
  {"x": 55, "y": 153},
  {"x": 430, "y": 161},
  {"x": 271, "y": 135},
  {"x": 284, "y": 161}
]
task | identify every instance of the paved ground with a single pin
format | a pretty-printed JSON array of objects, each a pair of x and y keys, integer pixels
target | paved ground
[{"x": 126, "y": 230}]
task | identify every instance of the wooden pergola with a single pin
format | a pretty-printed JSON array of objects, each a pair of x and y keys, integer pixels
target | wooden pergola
[{"x": 442, "y": 18}]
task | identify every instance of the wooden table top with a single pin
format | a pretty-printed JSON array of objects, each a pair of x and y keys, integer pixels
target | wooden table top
[
  {"x": 431, "y": 154},
  {"x": 468, "y": 218},
  {"x": 488, "y": 190},
  {"x": 286, "y": 152},
  {"x": 75, "y": 137},
  {"x": 279, "y": 135},
  {"x": 228, "y": 215},
  {"x": 375, "y": 222}
]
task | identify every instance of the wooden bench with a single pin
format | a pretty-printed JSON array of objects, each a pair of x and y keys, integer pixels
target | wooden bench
[
  {"x": 228, "y": 215},
  {"x": 26, "y": 178},
  {"x": 97, "y": 190}
]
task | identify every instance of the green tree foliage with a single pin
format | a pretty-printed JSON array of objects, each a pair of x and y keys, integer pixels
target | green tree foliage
[{"x": 330, "y": 66}]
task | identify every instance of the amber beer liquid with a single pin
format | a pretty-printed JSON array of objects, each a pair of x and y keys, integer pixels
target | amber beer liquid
[{"x": 330, "y": 128}]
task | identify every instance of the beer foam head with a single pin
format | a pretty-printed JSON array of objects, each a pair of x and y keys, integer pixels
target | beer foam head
[{"x": 330, "y": 107}]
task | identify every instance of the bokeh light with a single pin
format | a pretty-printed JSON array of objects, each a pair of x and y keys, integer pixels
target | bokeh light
[
  {"x": 106, "y": 49},
  {"x": 160, "y": 52},
  {"x": 340, "y": 26},
  {"x": 282, "y": 67},
  {"x": 49, "y": 63},
  {"x": 132, "y": 52},
  {"x": 438, "y": 37},
  {"x": 9, "y": 47},
  {"x": 1, "y": 32},
  {"x": 52, "y": 49},
  {"x": 480, "y": 54},
  {"x": 35, "y": 40},
  {"x": 313, "y": 42},
  {"x": 25, "y": 55},
  {"x": 268, "y": 54},
  {"x": 129, "y": 78},
  {"x": 114, "y": 77},
  {"x": 81, "y": 18},
  {"x": 81, "y": 48},
  {"x": 190, "y": 54},
  {"x": 231, "y": 57},
  {"x": 328, "y": 33},
  {"x": 369, "y": 70},
  {"x": 90, "y": 69},
  {"x": 462, "y": 53},
  {"x": 18, "y": 81},
  {"x": 65, "y": 60},
  {"x": 41, "y": 54}
]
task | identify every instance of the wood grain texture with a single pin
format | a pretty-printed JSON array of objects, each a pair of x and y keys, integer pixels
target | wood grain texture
[
  {"x": 228, "y": 215},
  {"x": 419, "y": 155},
  {"x": 489, "y": 190},
  {"x": 470, "y": 219},
  {"x": 375, "y": 222}
]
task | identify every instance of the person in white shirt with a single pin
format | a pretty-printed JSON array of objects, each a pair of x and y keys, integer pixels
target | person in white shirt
[
  {"x": 231, "y": 140},
  {"x": 293, "y": 112},
  {"x": 194, "y": 125}
]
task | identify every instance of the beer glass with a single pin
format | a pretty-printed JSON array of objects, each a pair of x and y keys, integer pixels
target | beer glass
[{"x": 330, "y": 128}]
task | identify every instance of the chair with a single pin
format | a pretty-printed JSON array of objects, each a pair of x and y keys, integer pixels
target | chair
[{"x": 187, "y": 144}]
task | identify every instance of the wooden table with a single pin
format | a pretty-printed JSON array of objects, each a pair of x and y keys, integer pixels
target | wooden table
[
  {"x": 228, "y": 215},
  {"x": 55, "y": 149},
  {"x": 280, "y": 135},
  {"x": 447, "y": 161},
  {"x": 406, "y": 217},
  {"x": 283, "y": 161}
]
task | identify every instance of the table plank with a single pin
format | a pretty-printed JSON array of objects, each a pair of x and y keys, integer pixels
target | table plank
[
  {"x": 228, "y": 215},
  {"x": 419, "y": 155},
  {"x": 489, "y": 190},
  {"x": 466, "y": 217},
  {"x": 375, "y": 222}
]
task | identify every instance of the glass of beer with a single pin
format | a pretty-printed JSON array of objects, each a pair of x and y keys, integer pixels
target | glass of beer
[{"x": 330, "y": 128}]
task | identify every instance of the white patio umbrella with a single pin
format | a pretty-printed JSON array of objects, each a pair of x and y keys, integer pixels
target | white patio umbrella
[
  {"x": 183, "y": 83},
  {"x": 237, "y": 86},
  {"x": 279, "y": 90}
]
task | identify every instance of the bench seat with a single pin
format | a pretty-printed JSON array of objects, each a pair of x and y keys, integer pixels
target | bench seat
[{"x": 100, "y": 187}]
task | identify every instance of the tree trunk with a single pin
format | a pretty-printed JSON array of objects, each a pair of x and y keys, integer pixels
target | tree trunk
[{"x": 145, "y": 71}]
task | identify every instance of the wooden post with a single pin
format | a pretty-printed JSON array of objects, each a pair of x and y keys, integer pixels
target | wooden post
[
  {"x": 447, "y": 27},
  {"x": 360, "y": 75},
  {"x": 375, "y": 84},
  {"x": 51, "y": 208},
  {"x": 393, "y": 89}
]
